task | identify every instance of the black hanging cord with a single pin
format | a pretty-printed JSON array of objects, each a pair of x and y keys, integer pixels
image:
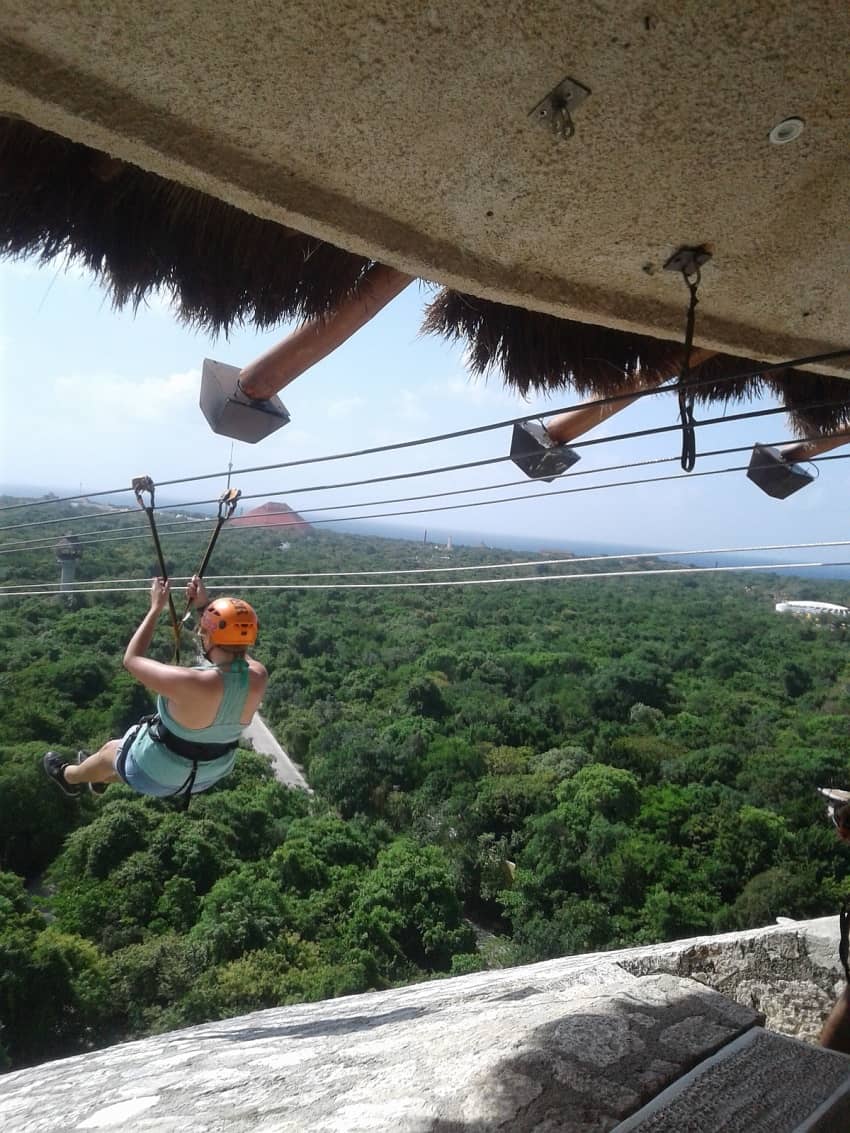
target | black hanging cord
[
  {"x": 226, "y": 507},
  {"x": 844, "y": 945},
  {"x": 684, "y": 388},
  {"x": 140, "y": 485}
]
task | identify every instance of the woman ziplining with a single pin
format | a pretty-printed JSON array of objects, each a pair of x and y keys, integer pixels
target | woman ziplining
[{"x": 190, "y": 743}]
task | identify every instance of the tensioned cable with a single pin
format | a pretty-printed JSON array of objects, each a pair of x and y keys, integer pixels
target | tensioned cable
[
  {"x": 811, "y": 360},
  {"x": 359, "y": 483},
  {"x": 516, "y": 483},
  {"x": 109, "y": 516},
  {"x": 514, "y": 564},
  {"x": 549, "y": 495},
  {"x": 634, "y": 434},
  {"x": 458, "y": 507},
  {"x": 469, "y": 581},
  {"x": 108, "y": 535}
]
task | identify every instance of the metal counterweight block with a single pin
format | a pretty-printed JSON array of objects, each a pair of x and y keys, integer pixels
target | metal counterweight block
[
  {"x": 537, "y": 455},
  {"x": 775, "y": 475},
  {"x": 231, "y": 412}
]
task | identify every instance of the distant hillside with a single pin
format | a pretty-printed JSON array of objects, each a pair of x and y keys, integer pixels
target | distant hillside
[{"x": 273, "y": 515}]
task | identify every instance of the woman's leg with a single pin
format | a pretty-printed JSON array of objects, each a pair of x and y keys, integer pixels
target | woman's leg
[{"x": 98, "y": 768}]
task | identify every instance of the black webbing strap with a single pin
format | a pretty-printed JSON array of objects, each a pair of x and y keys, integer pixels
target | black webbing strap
[
  {"x": 686, "y": 394},
  {"x": 140, "y": 485},
  {"x": 184, "y": 791},
  {"x": 844, "y": 945},
  {"x": 186, "y": 749},
  {"x": 226, "y": 507}
]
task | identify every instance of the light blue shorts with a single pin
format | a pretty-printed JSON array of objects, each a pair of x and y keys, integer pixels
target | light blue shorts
[{"x": 151, "y": 769}]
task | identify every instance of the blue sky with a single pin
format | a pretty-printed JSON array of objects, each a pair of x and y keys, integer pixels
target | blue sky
[{"x": 91, "y": 398}]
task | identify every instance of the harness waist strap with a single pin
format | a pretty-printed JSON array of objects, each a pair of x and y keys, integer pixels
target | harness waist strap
[{"x": 188, "y": 749}]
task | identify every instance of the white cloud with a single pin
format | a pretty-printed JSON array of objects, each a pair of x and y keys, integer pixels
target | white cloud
[
  {"x": 407, "y": 406},
  {"x": 32, "y": 268},
  {"x": 476, "y": 391},
  {"x": 149, "y": 400},
  {"x": 344, "y": 406}
]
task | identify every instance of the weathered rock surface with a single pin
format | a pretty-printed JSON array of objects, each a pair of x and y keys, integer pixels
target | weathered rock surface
[
  {"x": 569, "y": 1046},
  {"x": 761, "y": 1083},
  {"x": 790, "y": 972}
]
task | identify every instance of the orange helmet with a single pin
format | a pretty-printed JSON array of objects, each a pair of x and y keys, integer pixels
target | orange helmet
[{"x": 230, "y": 622}]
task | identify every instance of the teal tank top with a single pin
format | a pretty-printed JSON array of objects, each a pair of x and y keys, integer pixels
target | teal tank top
[{"x": 227, "y": 726}]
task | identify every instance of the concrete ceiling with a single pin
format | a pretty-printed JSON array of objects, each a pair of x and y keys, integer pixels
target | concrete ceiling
[{"x": 403, "y": 131}]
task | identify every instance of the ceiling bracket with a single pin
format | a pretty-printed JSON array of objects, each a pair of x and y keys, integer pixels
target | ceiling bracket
[
  {"x": 688, "y": 260},
  {"x": 556, "y": 110}
]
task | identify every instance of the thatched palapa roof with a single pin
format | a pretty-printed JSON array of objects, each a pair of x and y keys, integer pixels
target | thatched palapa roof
[
  {"x": 538, "y": 352},
  {"x": 139, "y": 232}
]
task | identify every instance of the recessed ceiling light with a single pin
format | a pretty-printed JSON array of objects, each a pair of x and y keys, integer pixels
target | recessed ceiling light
[{"x": 786, "y": 131}]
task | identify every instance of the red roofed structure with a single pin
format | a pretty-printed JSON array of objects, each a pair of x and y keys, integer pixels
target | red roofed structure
[{"x": 273, "y": 515}]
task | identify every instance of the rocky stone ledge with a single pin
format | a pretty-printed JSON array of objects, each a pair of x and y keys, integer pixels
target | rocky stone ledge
[{"x": 574, "y": 1045}]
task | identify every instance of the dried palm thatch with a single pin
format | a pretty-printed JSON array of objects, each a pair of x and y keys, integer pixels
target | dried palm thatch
[
  {"x": 539, "y": 352},
  {"x": 816, "y": 403},
  {"x": 139, "y": 233},
  {"x": 223, "y": 267}
]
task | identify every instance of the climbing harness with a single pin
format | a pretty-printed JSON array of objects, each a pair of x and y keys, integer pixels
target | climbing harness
[
  {"x": 194, "y": 752},
  {"x": 226, "y": 506}
]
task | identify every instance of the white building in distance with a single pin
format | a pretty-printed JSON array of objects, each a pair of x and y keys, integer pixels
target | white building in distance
[{"x": 813, "y": 609}]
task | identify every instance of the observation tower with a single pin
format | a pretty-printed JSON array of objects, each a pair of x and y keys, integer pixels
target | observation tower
[{"x": 68, "y": 553}]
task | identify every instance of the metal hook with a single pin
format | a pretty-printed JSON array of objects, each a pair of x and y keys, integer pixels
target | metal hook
[
  {"x": 141, "y": 484},
  {"x": 562, "y": 122},
  {"x": 557, "y": 108},
  {"x": 227, "y": 503}
]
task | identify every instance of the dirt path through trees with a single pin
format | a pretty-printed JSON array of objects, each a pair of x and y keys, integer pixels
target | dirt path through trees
[{"x": 263, "y": 741}]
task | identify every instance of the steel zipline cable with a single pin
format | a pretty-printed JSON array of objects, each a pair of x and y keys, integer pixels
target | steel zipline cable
[
  {"x": 634, "y": 434},
  {"x": 575, "y": 577},
  {"x": 7, "y": 549},
  {"x": 11, "y": 590},
  {"x": 182, "y": 529},
  {"x": 614, "y": 399}
]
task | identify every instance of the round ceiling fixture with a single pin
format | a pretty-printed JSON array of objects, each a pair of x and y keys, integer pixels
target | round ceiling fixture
[{"x": 786, "y": 131}]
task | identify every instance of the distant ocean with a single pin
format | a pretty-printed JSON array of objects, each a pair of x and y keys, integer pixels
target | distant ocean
[
  {"x": 537, "y": 543},
  {"x": 581, "y": 548}
]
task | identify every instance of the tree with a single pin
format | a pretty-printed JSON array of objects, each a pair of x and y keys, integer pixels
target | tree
[
  {"x": 120, "y": 829},
  {"x": 33, "y": 822},
  {"x": 243, "y": 912},
  {"x": 407, "y": 913},
  {"x": 615, "y": 688},
  {"x": 780, "y": 891},
  {"x": 194, "y": 848},
  {"x": 52, "y": 988},
  {"x": 146, "y": 980}
]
